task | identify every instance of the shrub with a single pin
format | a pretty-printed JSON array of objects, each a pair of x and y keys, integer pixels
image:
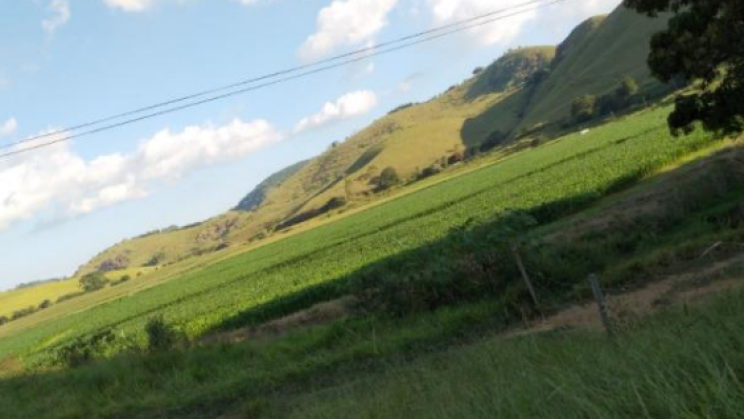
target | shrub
[
  {"x": 45, "y": 304},
  {"x": 123, "y": 279},
  {"x": 430, "y": 171},
  {"x": 70, "y": 296},
  {"x": 455, "y": 158},
  {"x": 93, "y": 282},
  {"x": 627, "y": 89},
  {"x": 18, "y": 314},
  {"x": 160, "y": 335},
  {"x": 584, "y": 108},
  {"x": 85, "y": 349},
  {"x": 388, "y": 178},
  {"x": 155, "y": 260},
  {"x": 4, "y": 320}
]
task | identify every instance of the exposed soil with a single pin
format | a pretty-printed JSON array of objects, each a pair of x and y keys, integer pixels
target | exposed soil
[{"x": 630, "y": 307}]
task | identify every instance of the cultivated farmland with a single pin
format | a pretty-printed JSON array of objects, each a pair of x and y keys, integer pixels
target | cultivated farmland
[{"x": 562, "y": 176}]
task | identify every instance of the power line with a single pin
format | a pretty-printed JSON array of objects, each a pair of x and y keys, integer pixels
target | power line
[
  {"x": 362, "y": 54},
  {"x": 271, "y": 75}
]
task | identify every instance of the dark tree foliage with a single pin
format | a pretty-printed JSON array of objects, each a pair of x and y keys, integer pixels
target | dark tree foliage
[
  {"x": 93, "y": 282},
  {"x": 703, "y": 42},
  {"x": 584, "y": 108},
  {"x": 388, "y": 178},
  {"x": 627, "y": 89}
]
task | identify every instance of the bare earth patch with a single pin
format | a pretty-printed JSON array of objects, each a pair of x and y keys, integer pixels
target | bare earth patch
[{"x": 678, "y": 290}]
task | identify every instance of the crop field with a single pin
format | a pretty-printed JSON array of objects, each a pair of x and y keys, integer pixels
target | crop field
[
  {"x": 18, "y": 299},
  {"x": 565, "y": 175}
]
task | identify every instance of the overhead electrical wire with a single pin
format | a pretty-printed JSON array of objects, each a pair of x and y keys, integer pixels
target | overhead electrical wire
[{"x": 289, "y": 75}]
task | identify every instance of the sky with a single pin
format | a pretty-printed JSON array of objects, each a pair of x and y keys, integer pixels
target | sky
[{"x": 67, "y": 62}]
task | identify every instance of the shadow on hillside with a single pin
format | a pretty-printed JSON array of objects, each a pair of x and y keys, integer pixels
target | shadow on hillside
[
  {"x": 502, "y": 118},
  {"x": 434, "y": 275}
]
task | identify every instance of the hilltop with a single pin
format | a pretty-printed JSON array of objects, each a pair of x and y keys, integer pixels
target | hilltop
[{"x": 525, "y": 96}]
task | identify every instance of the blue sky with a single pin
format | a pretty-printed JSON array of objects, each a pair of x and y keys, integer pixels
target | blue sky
[{"x": 63, "y": 62}]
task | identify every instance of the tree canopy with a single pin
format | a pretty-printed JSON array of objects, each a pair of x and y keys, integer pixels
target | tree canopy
[
  {"x": 703, "y": 42},
  {"x": 93, "y": 282}
]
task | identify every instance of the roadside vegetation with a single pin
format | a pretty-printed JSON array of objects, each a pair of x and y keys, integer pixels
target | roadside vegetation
[{"x": 428, "y": 303}]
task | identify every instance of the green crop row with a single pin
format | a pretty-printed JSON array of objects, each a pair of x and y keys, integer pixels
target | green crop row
[{"x": 557, "y": 178}]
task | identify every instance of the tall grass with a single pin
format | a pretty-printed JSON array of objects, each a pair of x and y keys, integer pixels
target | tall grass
[{"x": 678, "y": 365}]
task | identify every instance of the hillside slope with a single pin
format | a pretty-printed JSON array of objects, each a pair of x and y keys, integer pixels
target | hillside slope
[
  {"x": 593, "y": 60},
  {"x": 525, "y": 88}
]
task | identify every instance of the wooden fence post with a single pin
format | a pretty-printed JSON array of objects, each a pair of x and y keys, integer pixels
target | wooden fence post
[
  {"x": 601, "y": 303},
  {"x": 523, "y": 271}
]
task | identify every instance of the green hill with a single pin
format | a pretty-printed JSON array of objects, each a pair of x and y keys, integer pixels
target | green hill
[
  {"x": 258, "y": 195},
  {"x": 593, "y": 60},
  {"x": 523, "y": 91}
]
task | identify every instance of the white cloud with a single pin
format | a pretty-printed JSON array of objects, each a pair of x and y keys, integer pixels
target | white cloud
[
  {"x": 169, "y": 155},
  {"x": 60, "y": 15},
  {"x": 8, "y": 127},
  {"x": 133, "y": 6},
  {"x": 57, "y": 183},
  {"x": 58, "y": 180},
  {"x": 346, "y": 23},
  {"x": 499, "y": 32},
  {"x": 348, "y": 106}
]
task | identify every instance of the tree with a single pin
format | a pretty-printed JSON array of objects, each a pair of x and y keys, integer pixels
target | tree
[
  {"x": 4, "y": 320},
  {"x": 627, "y": 89},
  {"x": 583, "y": 108},
  {"x": 93, "y": 282},
  {"x": 388, "y": 178},
  {"x": 702, "y": 42}
]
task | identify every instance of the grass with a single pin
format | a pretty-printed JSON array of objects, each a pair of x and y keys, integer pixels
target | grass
[
  {"x": 601, "y": 54},
  {"x": 430, "y": 365},
  {"x": 570, "y": 173},
  {"x": 679, "y": 364}
]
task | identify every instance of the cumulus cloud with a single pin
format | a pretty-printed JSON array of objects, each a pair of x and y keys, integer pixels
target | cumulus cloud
[
  {"x": 348, "y": 106},
  {"x": 60, "y": 14},
  {"x": 346, "y": 23},
  {"x": 8, "y": 127},
  {"x": 449, "y": 11},
  {"x": 57, "y": 183},
  {"x": 58, "y": 180}
]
